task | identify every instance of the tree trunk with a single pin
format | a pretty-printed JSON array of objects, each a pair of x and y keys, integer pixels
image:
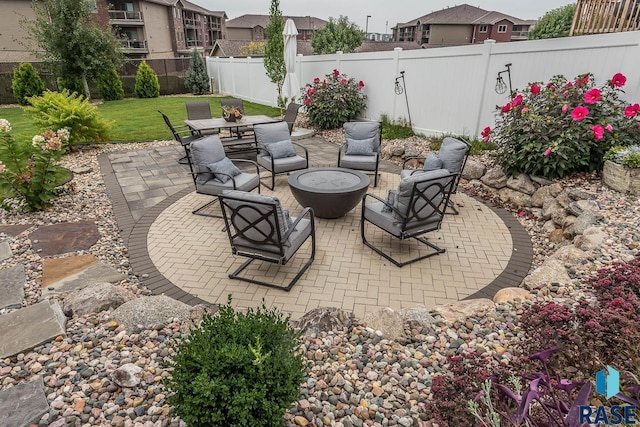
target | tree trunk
[{"x": 85, "y": 85}]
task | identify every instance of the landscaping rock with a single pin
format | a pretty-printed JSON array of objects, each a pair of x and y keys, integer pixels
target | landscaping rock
[
  {"x": 473, "y": 170},
  {"x": 128, "y": 375},
  {"x": 556, "y": 236},
  {"x": 460, "y": 310},
  {"x": 387, "y": 321},
  {"x": 550, "y": 272},
  {"x": 549, "y": 226},
  {"x": 579, "y": 194},
  {"x": 420, "y": 315},
  {"x": 193, "y": 317},
  {"x": 325, "y": 319},
  {"x": 550, "y": 206},
  {"x": 5, "y": 251},
  {"x": 521, "y": 183},
  {"x": 586, "y": 220},
  {"x": 576, "y": 208},
  {"x": 495, "y": 178},
  {"x": 559, "y": 216},
  {"x": 539, "y": 196},
  {"x": 149, "y": 312},
  {"x": 590, "y": 239},
  {"x": 12, "y": 282},
  {"x": 23, "y": 404},
  {"x": 65, "y": 237},
  {"x": 511, "y": 295},
  {"x": 543, "y": 182},
  {"x": 94, "y": 299},
  {"x": 570, "y": 255}
]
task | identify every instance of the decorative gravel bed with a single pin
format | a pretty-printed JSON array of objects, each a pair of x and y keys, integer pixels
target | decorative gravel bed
[{"x": 356, "y": 376}]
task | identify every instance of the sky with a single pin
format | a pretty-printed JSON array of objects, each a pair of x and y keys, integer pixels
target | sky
[{"x": 384, "y": 13}]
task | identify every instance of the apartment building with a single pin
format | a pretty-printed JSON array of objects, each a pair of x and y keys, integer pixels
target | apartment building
[
  {"x": 462, "y": 24},
  {"x": 148, "y": 28},
  {"x": 252, "y": 27}
]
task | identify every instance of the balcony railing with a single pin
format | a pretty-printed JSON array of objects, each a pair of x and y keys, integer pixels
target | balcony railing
[
  {"x": 191, "y": 22},
  {"x": 605, "y": 16},
  {"x": 520, "y": 35},
  {"x": 126, "y": 16},
  {"x": 134, "y": 45},
  {"x": 194, "y": 43}
]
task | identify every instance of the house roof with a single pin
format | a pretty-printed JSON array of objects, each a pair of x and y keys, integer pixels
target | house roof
[
  {"x": 189, "y": 6},
  {"x": 251, "y": 21},
  {"x": 463, "y": 14}
]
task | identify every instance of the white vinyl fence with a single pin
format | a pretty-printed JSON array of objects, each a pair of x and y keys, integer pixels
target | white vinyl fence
[{"x": 449, "y": 90}]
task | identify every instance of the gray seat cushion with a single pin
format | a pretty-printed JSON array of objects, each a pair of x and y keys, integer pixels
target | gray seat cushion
[
  {"x": 244, "y": 182},
  {"x": 452, "y": 153},
  {"x": 296, "y": 239},
  {"x": 358, "y": 162},
  {"x": 374, "y": 213},
  {"x": 406, "y": 173},
  {"x": 205, "y": 151},
  {"x": 268, "y": 133},
  {"x": 283, "y": 165}
]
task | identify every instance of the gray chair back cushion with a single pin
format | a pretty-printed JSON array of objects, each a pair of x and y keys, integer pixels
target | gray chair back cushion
[
  {"x": 205, "y": 151},
  {"x": 253, "y": 210},
  {"x": 267, "y": 133},
  {"x": 363, "y": 130},
  {"x": 452, "y": 153},
  {"x": 424, "y": 180},
  {"x": 198, "y": 110}
]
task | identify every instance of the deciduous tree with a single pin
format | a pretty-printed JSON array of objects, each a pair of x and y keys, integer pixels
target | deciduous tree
[
  {"x": 555, "y": 23},
  {"x": 274, "y": 50},
  {"x": 337, "y": 35}
]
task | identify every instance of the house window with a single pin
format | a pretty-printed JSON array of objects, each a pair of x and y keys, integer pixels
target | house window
[
  {"x": 483, "y": 29},
  {"x": 502, "y": 28}
]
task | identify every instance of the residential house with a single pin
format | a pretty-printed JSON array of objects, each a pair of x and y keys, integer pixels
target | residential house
[
  {"x": 253, "y": 27},
  {"x": 462, "y": 24},
  {"x": 149, "y": 28}
]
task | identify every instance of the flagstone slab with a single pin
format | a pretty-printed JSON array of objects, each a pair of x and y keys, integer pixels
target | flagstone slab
[
  {"x": 12, "y": 281},
  {"x": 61, "y": 275},
  {"x": 23, "y": 404},
  {"x": 5, "y": 251},
  {"x": 28, "y": 327},
  {"x": 65, "y": 237},
  {"x": 14, "y": 229}
]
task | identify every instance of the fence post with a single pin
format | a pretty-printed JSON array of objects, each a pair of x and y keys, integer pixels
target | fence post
[
  {"x": 248, "y": 61},
  {"x": 338, "y": 58},
  {"x": 299, "y": 74},
  {"x": 233, "y": 77},
  {"x": 488, "y": 45},
  {"x": 218, "y": 74}
]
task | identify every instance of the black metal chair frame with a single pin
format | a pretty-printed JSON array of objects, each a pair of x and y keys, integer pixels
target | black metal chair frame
[
  {"x": 343, "y": 147},
  {"x": 198, "y": 110},
  {"x": 413, "y": 215},
  {"x": 273, "y": 238},
  {"x": 183, "y": 135},
  {"x": 194, "y": 175},
  {"x": 450, "y": 205},
  {"x": 273, "y": 166},
  {"x": 291, "y": 114}
]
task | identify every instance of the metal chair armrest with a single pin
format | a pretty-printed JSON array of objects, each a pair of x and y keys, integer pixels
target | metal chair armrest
[
  {"x": 408, "y": 159},
  {"x": 248, "y": 162},
  {"x": 292, "y": 227},
  {"x": 378, "y": 198}
]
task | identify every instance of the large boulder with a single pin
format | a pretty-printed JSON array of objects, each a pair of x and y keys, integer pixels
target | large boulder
[
  {"x": 550, "y": 206},
  {"x": 495, "y": 178},
  {"x": 570, "y": 255},
  {"x": 511, "y": 295},
  {"x": 551, "y": 272},
  {"x": 590, "y": 239},
  {"x": 151, "y": 312},
  {"x": 539, "y": 196},
  {"x": 324, "y": 319},
  {"x": 577, "y": 207},
  {"x": 192, "y": 318},
  {"x": 586, "y": 220},
  {"x": 94, "y": 299},
  {"x": 460, "y": 310},
  {"x": 521, "y": 183},
  {"x": 473, "y": 170},
  {"x": 386, "y": 320}
]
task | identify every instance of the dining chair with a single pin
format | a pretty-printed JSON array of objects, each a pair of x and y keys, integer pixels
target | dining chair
[
  {"x": 181, "y": 134},
  {"x": 200, "y": 110}
]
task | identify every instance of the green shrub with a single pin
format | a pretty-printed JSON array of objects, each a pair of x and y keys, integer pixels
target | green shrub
[
  {"x": 631, "y": 160},
  {"x": 477, "y": 146},
  {"x": 56, "y": 110},
  {"x": 563, "y": 127},
  {"x": 26, "y": 83},
  {"x": 29, "y": 169},
  {"x": 334, "y": 101},
  {"x": 110, "y": 85},
  {"x": 71, "y": 84},
  {"x": 196, "y": 78},
  {"x": 147, "y": 84},
  {"x": 237, "y": 370},
  {"x": 392, "y": 129}
]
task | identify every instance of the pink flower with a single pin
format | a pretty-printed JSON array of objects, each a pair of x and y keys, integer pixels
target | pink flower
[
  {"x": 608, "y": 127},
  {"x": 307, "y": 101},
  {"x": 525, "y": 110},
  {"x": 618, "y": 80},
  {"x": 579, "y": 113},
  {"x": 516, "y": 101},
  {"x": 485, "y": 134},
  {"x": 521, "y": 214},
  {"x": 632, "y": 110},
  {"x": 592, "y": 96},
  {"x": 360, "y": 84},
  {"x": 506, "y": 108},
  {"x": 598, "y": 131},
  {"x": 569, "y": 84},
  {"x": 345, "y": 81},
  {"x": 535, "y": 89},
  {"x": 316, "y": 80},
  {"x": 336, "y": 73},
  {"x": 565, "y": 107},
  {"x": 582, "y": 80},
  {"x": 547, "y": 152}
]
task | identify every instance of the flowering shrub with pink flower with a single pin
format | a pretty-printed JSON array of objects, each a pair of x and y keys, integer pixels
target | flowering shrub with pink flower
[
  {"x": 334, "y": 100},
  {"x": 562, "y": 127},
  {"x": 28, "y": 170}
]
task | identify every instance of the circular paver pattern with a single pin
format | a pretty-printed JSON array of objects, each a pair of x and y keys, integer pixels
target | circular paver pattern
[{"x": 193, "y": 252}]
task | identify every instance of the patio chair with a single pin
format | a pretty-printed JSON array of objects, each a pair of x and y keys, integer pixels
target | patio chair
[
  {"x": 213, "y": 172},
  {"x": 291, "y": 115},
  {"x": 236, "y": 103},
  {"x": 415, "y": 208},
  {"x": 258, "y": 229},
  {"x": 198, "y": 110},
  {"x": 276, "y": 152},
  {"x": 181, "y": 134},
  {"x": 362, "y": 147},
  {"x": 452, "y": 156}
]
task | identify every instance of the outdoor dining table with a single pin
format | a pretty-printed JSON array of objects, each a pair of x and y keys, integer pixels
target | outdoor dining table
[{"x": 220, "y": 123}]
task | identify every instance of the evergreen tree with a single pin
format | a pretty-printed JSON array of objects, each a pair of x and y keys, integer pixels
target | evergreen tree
[
  {"x": 147, "y": 84},
  {"x": 26, "y": 82},
  {"x": 110, "y": 85},
  {"x": 274, "y": 50},
  {"x": 196, "y": 78}
]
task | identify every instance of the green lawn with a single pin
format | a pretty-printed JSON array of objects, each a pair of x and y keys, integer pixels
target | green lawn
[{"x": 134, "y": 120}]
